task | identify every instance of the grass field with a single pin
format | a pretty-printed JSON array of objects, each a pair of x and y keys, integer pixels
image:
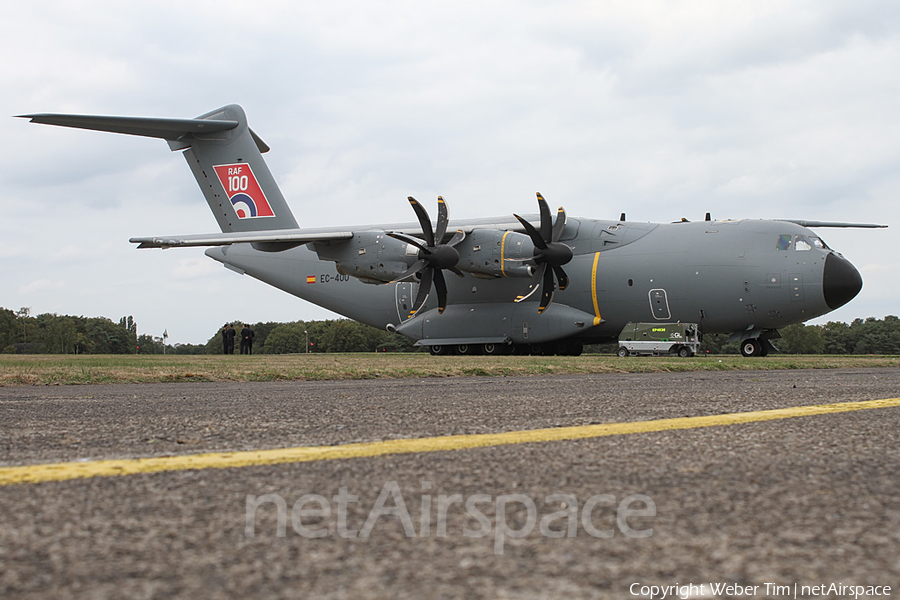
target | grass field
[{"x": 67, "y": 370}]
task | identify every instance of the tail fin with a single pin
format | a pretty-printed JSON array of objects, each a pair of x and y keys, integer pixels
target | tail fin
[{"x": 224, "y": 154}]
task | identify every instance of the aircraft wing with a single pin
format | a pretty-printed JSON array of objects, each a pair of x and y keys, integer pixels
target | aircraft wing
[
  {"x": 803, "y": 223},
  {"x": 281, "y": 239}
]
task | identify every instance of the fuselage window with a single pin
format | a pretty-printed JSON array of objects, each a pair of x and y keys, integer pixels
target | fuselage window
[
  {"x": 783, "y": 243},
  {"x": 801, "y": 245}
]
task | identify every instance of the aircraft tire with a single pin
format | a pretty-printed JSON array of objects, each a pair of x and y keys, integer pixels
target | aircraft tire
[
  {"x": 496, "y": 349},
  {"x": 751, "y": 347},
  {"x": 537, "y": 350},
  {"x": 467, "y": 349},
  {"x": 437, "y": 350},
  {"x": 622, "y": 352}
]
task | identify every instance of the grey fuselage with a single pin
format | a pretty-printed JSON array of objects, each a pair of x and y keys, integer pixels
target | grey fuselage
[{"x": 743, "y": 276}]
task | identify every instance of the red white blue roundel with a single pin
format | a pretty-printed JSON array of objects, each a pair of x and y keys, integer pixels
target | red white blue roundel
[{"x": 243, "y": 190}]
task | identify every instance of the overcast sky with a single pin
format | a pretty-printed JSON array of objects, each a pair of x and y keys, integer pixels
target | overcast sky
[{"x": 660, "y": 109}]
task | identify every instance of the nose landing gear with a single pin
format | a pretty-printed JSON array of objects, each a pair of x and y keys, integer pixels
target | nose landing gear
[{"x": 755, "y": 347}]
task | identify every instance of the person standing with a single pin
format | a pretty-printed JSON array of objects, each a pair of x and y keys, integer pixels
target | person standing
[
  {"x": 247, "y": 340},
  {"x": 225, "y": 338},
  {"x": 229, "y": 339}
]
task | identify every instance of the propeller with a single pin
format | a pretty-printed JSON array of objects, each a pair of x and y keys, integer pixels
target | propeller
[
  {"x": 549, "y": 253},
  {"x": 433, "y": 256}
]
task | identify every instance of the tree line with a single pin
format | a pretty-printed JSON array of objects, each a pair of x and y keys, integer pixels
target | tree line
[
  {"x": 334, "y": 335},
  {"x": 50, "y": 333},
  {"x": 862, "y": 336}
]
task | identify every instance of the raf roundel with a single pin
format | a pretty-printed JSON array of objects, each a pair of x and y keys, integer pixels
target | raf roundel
[{"x": 247, "y": 197}]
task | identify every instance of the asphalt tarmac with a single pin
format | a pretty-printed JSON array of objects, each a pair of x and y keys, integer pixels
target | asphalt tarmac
[{"x": 801, "y": 500}]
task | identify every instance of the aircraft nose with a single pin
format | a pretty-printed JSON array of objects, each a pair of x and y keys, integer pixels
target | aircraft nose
[{"x": 841, "y": 282}]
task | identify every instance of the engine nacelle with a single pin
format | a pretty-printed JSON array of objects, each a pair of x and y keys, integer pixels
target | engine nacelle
[
  {"x": 370, "y": 256},
  {"x": 486, "y": 253}
]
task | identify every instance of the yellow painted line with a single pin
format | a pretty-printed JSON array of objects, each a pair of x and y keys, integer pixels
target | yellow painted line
[
  {"x": 503, "y": 254},
  {"x": 597, "y": 318},
  {"x": 226, "y": 460}
]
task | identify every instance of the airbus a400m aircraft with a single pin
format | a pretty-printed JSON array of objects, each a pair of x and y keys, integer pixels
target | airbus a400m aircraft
[{"x": 538, "y": 283}]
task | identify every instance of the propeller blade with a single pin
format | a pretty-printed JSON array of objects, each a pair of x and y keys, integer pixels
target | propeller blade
[
  {"x": 440, "y": 286},
  {"x": 442, "y": 221},
  {"x": 424, "y": 289},
  {"x": 409, "y": 240},
  {"x": 534, "y": 286},
  {"x": 433, "y": 256},
  {"x": 547, "y": 288},
  {"x": 559, "y": 225},
  {"x": 536, "y": 238},
  {"x": 546, "y": 225},
  {"x": 561, "y": 277},
  {"x": 459, "y": 236},
  {"x": 424, "y": 221},
  {"x": 549, "y": 253},
  {"x": 417, "y": 266}
]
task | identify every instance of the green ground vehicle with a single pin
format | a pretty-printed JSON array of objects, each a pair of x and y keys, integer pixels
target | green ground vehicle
[{"x": 654, "y": 339}]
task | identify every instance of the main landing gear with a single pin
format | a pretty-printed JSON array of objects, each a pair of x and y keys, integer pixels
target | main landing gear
[{"x": 561, "y": 348}]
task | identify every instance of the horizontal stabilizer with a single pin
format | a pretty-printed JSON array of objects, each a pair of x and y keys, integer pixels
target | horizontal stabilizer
[
  {"x": 803, "y": 223},
  {"x": 167, "y": 129},
  {"x": 287, "y": 237}
]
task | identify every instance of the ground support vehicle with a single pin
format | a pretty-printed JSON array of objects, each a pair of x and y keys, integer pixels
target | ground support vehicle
[{"x": 655, "y": 339}]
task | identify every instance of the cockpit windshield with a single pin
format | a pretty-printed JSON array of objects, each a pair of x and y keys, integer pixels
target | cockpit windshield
[
  {"x": 800, "y": 243},
  {"x": 818, "y": 243}
]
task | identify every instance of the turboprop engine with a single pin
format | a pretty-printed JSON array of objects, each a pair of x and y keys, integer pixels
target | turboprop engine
[
  {"x": 490, "y": 253},
  {"x": 370, "y": 256},
  {"x": 376, "y": 257}
]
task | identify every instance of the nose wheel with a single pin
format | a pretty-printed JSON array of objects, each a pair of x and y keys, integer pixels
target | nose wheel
[{"x": 754, "y": 347}]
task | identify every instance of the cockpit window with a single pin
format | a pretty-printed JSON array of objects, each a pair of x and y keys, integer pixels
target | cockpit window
[
  {"x": 783, "y": 243},
  {"x": 801, "y": 245},
  {"x": 818, "y": 243}
]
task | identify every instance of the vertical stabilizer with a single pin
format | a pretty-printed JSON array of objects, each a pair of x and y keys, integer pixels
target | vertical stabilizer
[
  {"x": 229, "y": 168},
  {"x": 224, "y": 155}
]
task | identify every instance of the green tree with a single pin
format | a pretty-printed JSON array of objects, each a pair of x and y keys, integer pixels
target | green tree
[
  {"x": 287, "y": 339},
  {"x": 149, "y": 344},
  {"x": 9, "y": 327},
  {"x": 102, "y": 336},
  {"x": 877, "y": 337},
  {"x": 801, "y": 339},
  {"x": 718, "y": 344},
  {"x": 345, "y": 336},
  {"x": 57, "y": 333},
  {"x": 836, "y": 338}
]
